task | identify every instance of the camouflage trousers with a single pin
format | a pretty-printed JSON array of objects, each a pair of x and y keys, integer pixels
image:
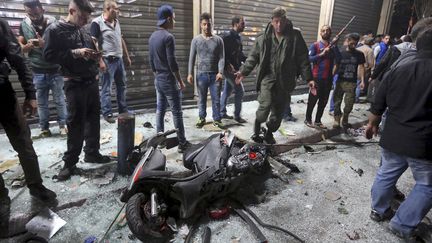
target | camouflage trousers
[{"x": 347, "y": 88}]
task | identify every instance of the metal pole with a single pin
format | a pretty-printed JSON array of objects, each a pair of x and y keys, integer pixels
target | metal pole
[{"x": 125, "y": 141}]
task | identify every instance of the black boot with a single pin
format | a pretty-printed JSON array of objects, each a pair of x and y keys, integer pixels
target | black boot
[
  {"x": 268, "y": 137},
  {"x": 66, "y": 173},
  {"x": 257, "y": 130},
  {"x": 96, "y": 158},
  {"x": 42, "y": 193}
]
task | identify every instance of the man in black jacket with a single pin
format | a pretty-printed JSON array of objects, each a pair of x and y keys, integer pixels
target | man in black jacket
[
  {"x": 233, "y": 58},
  {"x": 15, "y": 125},
  {"x": 67, "y": 44},
  {"x": 408, "y": 120}
]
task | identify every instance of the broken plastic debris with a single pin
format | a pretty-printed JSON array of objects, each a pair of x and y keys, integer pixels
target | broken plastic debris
[
  {"x": 184, "y": 231},
  {"x": 342, "y": 211},
  {"x": 8, "y": 164},
  {"x": 353, "y": 235},
  {"x": 18, "y": 183},
  {"x": 172, "y": 224},
  {"x": 286, "y": 132},
  {"x": 235, "y": 239},
  {"x": 308, "y": 148},
  {"x": 309, "y": 206},
  {"x": 90, "y": 239},
  {"x": 358, "y": 171},
  {"x": 332, "y": 196},
  {"x": 105, "y": 138},
  {"x": 278, "y": 167},
  {"x": 299, "y": 181},
  {"x": 147, "y": 125},
  {"x": 45, "y": 224}
]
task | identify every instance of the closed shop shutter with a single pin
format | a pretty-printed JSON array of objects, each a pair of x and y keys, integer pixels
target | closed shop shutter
[
  {"x": 138, "y": 21},
  {"x": 367, "y": 14},
  {"x": 304, "y": 14}
]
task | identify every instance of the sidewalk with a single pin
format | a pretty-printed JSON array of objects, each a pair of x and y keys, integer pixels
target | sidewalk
[{"x": 100, "y": 187}]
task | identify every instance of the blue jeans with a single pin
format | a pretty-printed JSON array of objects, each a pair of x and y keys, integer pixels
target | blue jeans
[
  {"x": 207, "y": 81},
  {"x": 229, "y": 86},
  {"x": 357, "y": 91},
  {"x": 419, "y": 201},
  {"x": 332, "y": 106},
  {"x": 115, "y": 72},
  {"x": 44, "y": 82},
  {"x": 168, "y": 93}
]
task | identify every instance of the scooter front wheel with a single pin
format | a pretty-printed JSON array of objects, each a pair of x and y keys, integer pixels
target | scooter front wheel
[{"x": 139, "y": 222}]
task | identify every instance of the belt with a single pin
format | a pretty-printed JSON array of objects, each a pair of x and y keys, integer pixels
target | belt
[
  {"x": 112, "y": 58},
  {"x": 82, "y": 80}
]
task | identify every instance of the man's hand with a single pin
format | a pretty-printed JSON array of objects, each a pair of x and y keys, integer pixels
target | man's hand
[
  {"x": 325, "y": 51},
  {"x": 102, "y": 66},
  {"x": 190, "y": 79},
  {"x": 219, "y": 77},
  {"x": 312, "y": 87},
  {"x": 362, "y": 85},
  {"x": 128, "y": 61},
  {"x": 371, "y": 130},
  {"x": 231, "y": 69},
  {"x": 30, "y": 105},
  {"x": 182, "y": 85},
  {"x": 40, "y": 40},
  {"x": 29, "y": 46},
  {"x": 239, "y": 77},
  {"x": 86, "y": 53}
]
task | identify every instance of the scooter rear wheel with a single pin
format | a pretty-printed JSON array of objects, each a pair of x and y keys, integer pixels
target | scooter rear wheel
[{"x": 138, "y": 222}]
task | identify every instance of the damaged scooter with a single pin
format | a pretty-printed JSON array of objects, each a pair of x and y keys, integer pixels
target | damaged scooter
[{"x": 156, "y": 197}]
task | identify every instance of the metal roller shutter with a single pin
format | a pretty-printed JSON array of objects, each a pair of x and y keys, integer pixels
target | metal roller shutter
[
  {"x": 304, "y": 15},
  {"x": 367, "y": 12},
  {"x": 138, "y": 21}
]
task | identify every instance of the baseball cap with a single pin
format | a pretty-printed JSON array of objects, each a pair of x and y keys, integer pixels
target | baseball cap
[{"x": 163, "y": 13}]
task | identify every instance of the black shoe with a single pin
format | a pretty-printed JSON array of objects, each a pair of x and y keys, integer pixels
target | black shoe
[
  {"x": 399, "y": 196},
  {"x": 408, "y": 238},
  {"x": 375, "y": 216},
  {"x": 225, "y": 116},
  {"x": 290, "y": 118},
  {"x": 183, "y": 147},
  {"x": 109, "y": 118},
  {"x": 42, "y": 193},
  {"x": 66, "y": 173},
  {"x": 308, "y": 123},
  {"x": 268, "y": 138},
  {"x": 257, "y": 138},
  {"x": 240, "y": 120},
  {"x": 96, "y": 158}
]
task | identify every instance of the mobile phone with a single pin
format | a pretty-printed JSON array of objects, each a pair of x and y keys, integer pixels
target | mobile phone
[{"x": 35, "y": 42}]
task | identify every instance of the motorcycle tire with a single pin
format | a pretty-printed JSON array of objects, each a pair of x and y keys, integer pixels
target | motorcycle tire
[{"x": 138, "y": 223}]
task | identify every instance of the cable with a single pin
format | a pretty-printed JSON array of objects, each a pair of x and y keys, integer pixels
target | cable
[{"x": 271, "y": 226}]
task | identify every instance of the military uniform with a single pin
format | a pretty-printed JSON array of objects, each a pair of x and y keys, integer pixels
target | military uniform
[{"x": 278, "y": 63}]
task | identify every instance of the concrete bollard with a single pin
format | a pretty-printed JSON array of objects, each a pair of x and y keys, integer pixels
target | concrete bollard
[{"x": 125, "y": 141}]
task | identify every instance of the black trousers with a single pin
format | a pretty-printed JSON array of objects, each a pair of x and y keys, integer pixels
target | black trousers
[
  {"x": 18, "y": 132},
  {"x": 83, "y": 121},
  {"x": 323, "y": 91}
]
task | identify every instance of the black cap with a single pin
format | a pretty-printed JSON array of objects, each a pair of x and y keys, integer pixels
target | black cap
[
  {"x": 84, "y": 5},
  {"x": 32, "y": 3}
]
